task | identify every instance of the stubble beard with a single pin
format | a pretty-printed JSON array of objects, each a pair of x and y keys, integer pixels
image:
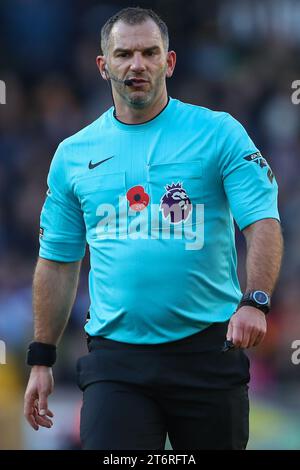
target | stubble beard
[{"x": 141, "y": 101}]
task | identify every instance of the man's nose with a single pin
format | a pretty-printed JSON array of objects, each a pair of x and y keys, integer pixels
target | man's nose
[{"x": 137, "y": 64}]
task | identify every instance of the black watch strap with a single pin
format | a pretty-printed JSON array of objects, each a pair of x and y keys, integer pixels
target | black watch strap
[{"x": 258, "y": 299}]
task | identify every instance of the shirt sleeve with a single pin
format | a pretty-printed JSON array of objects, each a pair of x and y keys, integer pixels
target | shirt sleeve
[
  {"x": 62, "y": 227},
  {"x": 248, "y": 180}
]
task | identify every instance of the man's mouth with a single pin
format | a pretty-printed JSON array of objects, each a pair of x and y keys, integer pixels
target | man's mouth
[{"x": 138, "y": 82}]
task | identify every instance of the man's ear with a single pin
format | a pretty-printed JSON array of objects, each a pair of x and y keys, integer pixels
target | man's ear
[
  {"x": 171, "y": 62},
  {"x": 101, "y": 64}
]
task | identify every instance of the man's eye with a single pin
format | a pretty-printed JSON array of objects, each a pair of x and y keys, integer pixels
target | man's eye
[
  {"x": 123, "y": 54},
  {"x": 149, "y": 53}
]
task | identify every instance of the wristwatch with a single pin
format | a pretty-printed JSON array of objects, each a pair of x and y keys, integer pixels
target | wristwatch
[{"x": 258, "y": 299}]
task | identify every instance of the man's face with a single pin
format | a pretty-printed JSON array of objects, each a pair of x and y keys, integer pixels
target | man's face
[{"x": 137, "y": 52}]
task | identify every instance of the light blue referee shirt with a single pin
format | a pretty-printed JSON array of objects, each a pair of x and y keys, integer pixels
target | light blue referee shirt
[{"x": 155, "y": 202}]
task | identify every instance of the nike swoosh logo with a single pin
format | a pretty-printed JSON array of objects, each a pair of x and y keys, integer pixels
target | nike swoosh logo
[{"x": 93, "y": 165}]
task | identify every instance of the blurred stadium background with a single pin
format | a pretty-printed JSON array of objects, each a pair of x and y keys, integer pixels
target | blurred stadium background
[{"x": 240, "y": 56}]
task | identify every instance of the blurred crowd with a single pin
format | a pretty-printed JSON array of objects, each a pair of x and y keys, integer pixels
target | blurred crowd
[{"x": 232, "y": 56}]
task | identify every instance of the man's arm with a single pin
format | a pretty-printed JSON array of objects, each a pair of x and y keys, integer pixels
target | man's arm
[
  {"x": 247, "y": 327},
  {"x": 264, "y": 253},
  {"x": 54, "y": 290}
]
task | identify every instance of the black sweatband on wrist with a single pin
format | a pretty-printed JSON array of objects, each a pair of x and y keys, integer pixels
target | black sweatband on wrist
[{"x": 41, "y": 354}]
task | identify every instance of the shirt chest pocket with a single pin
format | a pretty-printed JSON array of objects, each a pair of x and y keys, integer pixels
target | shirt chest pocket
[
  {"x": 100, "y": 193},
  {"x": 177, "y": 179}
]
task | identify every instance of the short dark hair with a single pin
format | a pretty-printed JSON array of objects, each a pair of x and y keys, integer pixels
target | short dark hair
[{"x": 133, "y": 16}]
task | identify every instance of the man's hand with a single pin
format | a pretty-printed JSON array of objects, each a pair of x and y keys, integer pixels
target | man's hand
[
  {"x": 40, "y": 385},
  {"x": 247, "y": 327}
]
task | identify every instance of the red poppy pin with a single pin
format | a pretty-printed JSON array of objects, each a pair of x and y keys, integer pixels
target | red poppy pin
[{"x": 138, "y": 198}]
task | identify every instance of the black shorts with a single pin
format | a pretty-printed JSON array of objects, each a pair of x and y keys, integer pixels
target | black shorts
[{"x": 133, "y": 395}]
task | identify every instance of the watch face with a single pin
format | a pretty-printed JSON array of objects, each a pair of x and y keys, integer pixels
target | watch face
[{"x": 260, "y": 297}]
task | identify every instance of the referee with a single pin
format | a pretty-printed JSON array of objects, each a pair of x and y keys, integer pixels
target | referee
[{"x": 153, "y": 186}]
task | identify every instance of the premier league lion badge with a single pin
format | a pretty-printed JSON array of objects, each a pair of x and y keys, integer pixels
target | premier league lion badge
[{"x": 175, "y": 203}]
